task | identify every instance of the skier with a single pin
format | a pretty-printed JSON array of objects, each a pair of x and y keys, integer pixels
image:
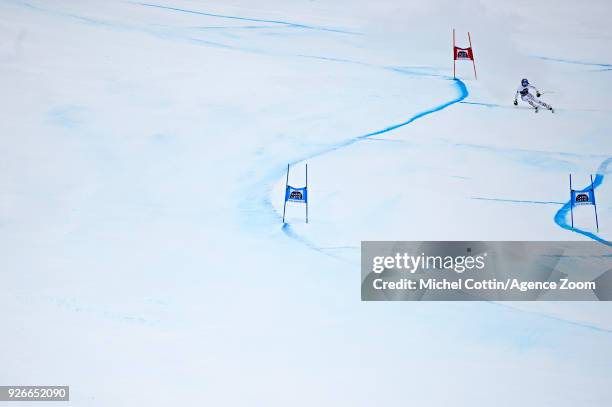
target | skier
[{"x": 528, "y": 97}]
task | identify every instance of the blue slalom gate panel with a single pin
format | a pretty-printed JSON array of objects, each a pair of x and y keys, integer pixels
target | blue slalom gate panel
[
  {"x": 296, "y": 194},
  {"x": 583, "y": 197}
]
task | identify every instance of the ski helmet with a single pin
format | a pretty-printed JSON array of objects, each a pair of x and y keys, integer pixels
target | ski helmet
[{"x": 524, "y": 82}]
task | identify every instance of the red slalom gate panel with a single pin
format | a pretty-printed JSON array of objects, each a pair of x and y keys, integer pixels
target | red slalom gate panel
[{"x": 463, "y": 54}]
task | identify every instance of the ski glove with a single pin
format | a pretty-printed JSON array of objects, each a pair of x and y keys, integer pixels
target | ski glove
[
  {"x": 538, "y": 94},
  {"x": 515, "y": 102}
]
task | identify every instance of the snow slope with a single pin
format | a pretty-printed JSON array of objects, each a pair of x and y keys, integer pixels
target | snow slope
[{"x": 143, "y": 149}]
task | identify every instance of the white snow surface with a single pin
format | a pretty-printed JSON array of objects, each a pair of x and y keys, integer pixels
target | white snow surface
[{"x": 143, "y": 149}]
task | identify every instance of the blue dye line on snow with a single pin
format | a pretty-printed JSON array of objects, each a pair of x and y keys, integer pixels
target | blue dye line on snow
[
  {"x": 555, "y": 318},
  {"x": 491, "y": 105},
  {"x": 482, "y": 104},
  {"x": 83, "y": 19},
  {"x": 405, "y": 70},
  {"x": 243, "y": 27},
  {"x": 562, "y": 214},
  {"x": 416, "y": 70},
  {"x": 523, "y": 107},
  {"x": 286, "y": 228},
  {"x": 605, "y": 67},
  {"x": 518, "y": 201},
  {"x": 257, "y": 20},
  {"x": 463, "y": 93}
]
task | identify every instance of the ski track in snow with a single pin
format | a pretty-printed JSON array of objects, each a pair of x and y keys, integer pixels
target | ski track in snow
[
  {"x": 256, "y": 20},
  {"x": 584, "y": 325},
  {"x": 523, "y": 107},
  {"x": 561, "y": 215},
  {"x": 517, "y": 201},
  {"x": 602, "y": 66}
]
